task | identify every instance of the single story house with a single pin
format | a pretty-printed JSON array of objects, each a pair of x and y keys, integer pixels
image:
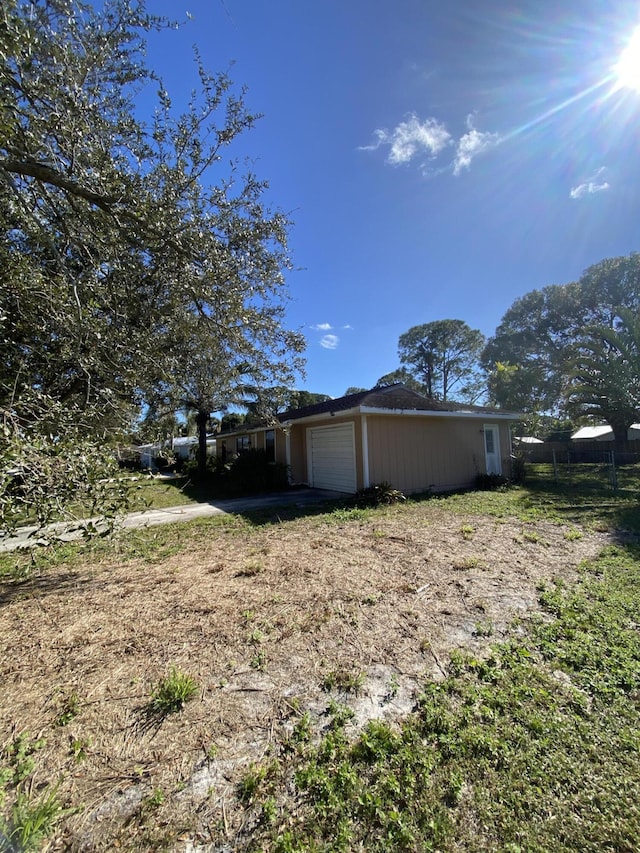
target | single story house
[
  {"x": 603, "y": 432},
  {"x": 390, "y": 434}
]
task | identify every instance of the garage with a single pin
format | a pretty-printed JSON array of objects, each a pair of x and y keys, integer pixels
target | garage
[{"x": 332, "y": 458}]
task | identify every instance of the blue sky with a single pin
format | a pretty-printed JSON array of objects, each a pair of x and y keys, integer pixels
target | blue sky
[{"x": 439, "y": 159}]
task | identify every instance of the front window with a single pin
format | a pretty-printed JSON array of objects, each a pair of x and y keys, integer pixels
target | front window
[{"x": 243, "y": 443}]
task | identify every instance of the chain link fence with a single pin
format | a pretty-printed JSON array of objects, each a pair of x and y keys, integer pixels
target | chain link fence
[{"x": 594, "y": 469}]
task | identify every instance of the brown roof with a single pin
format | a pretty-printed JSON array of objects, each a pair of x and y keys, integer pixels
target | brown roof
[{"x": 394, "y": 397}]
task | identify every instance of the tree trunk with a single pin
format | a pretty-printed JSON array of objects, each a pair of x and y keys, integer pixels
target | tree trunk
[
  {"x": 202, "y": 419},
  {"x": 620, "y": 427}
]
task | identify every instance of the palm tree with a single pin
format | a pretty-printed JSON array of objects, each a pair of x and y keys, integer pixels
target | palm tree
[{"x": 604, "y": 372}]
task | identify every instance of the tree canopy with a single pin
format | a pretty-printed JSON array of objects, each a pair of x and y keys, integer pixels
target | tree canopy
[
  {"x": 568, "y": 349},
  {"x": 137, "y": 261},
  {"x": 440, "y": 359}
]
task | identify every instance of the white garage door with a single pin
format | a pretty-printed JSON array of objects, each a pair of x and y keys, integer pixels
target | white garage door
[{"x": 332, "y": 458}]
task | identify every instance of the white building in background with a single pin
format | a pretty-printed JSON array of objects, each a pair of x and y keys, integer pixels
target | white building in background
[
  {"x": 603, "y": 433},
  {"x": 182, "y": 447}
]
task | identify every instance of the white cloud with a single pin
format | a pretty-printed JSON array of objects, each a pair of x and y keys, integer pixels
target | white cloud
[
  {"x": 591, "y": 185},
  {"x": 321, "y": 327},
  {"x": 347, "y": 326},
  {"x": 412, "y": 138},
  {"x": 473, "y": 142},
  {"x": 330, "y": 341}
]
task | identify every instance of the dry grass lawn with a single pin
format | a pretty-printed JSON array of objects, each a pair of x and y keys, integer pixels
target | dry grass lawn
[{"x": 265, "y": 618}]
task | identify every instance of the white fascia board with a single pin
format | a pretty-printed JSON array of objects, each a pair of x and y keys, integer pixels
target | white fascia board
[
  {"x": 324, "y": 416},
  {"x": 422, "y": 413},
  {"x": 484, "y": 416}
]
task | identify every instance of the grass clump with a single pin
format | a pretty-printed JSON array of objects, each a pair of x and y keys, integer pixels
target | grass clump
[
  {"x": 171, "y": 693},
  {"x": 69, "y": 710},
  {"x": 343, "y": 681},
  {"x": 31, "y": 821},
  {"x": 28, "y": 818}
]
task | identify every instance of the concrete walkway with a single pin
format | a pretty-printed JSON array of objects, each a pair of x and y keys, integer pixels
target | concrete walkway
[{"x": 28, "y": 537}]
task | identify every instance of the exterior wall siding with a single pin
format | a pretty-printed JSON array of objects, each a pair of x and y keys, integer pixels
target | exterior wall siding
[
  {"x": 413, "y": 453},
  {"x": 257, "y": 439},
  {"x": 416, "y": 454}
]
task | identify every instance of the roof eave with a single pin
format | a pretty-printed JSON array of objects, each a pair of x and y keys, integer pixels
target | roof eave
[
  {"x": 424, "y": 413},
  {"x": 434, "y": 413}
]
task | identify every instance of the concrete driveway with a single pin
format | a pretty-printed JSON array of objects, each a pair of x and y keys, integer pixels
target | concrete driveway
[{"x": 28, "y": 537}]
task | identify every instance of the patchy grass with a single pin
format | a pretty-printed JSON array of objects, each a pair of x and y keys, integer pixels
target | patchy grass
[
  {"x": 149, "y": 492},
  {"x": 602, "y": 510},
  {"x": 535, "y": 746},
  {"x": 440, "y": 726}
]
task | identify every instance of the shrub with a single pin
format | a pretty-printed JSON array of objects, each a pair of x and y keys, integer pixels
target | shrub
[
  {"x": 379, "y": 494},
  {"x": 246, "y": 474},
  {"x": 490, "y": 482},
  {"x": 250, "y": 472}
]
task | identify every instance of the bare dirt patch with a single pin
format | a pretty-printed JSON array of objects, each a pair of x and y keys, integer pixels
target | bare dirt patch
[{"x": 272, "y": 622}]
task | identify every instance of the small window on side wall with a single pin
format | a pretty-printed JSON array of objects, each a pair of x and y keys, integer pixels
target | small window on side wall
[
  {"x": 270, "y": 445},
  {"x": 243, "y": 442}
]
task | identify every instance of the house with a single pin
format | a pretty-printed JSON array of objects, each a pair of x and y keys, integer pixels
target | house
[
  {"x": 186, "y": 447},
  {"x": 390, "y": 434},
  {"x": 603, "y": 433},
  {"x": 182, "y": 447}
]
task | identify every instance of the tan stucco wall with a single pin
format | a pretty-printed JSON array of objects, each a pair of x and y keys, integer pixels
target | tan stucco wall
[
  {"x": 413, "y": 453},
  {"x": 419, "y": 453}
]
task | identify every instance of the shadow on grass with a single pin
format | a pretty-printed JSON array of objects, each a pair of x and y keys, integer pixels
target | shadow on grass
[{"x": 24, "y": 587}]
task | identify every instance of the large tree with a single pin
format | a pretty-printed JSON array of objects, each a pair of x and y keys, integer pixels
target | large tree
[
  {"x": 401, "y": 374},
  {"x": 134, "y": 255},
  {"x": 528, "y": 358},
  {"x": 604, "y": 372},
  {"x": 442, "y": 356}
]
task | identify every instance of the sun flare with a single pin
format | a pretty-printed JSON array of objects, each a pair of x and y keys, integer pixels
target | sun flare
[{"x": 627, "y": 69}]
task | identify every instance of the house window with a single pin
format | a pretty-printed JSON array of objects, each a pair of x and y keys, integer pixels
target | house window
[
  {"x": 243, "y": 443},
  {"x": 270, "y": 445},
  {"x": 489, "y": 441}
]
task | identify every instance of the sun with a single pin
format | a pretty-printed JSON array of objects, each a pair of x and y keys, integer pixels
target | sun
[{"x": 627, "y": 69}]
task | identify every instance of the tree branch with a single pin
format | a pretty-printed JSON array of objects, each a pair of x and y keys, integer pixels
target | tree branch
[{"x": 47, "y": 175}]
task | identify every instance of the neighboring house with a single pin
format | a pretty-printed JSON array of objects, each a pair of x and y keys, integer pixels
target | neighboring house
[
  {"x": 603, "y": 433},
  {"x": 185, "y": 447},
  {"x": 182, "y": 447},
  {"x": 390, "y": 434}
]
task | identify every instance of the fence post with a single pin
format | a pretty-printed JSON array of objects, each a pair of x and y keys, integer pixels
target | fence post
[
  {"x": 614, "y": 473},
  {"x": 555, "y": 466},
  {"x": 569, "y": 475}
]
